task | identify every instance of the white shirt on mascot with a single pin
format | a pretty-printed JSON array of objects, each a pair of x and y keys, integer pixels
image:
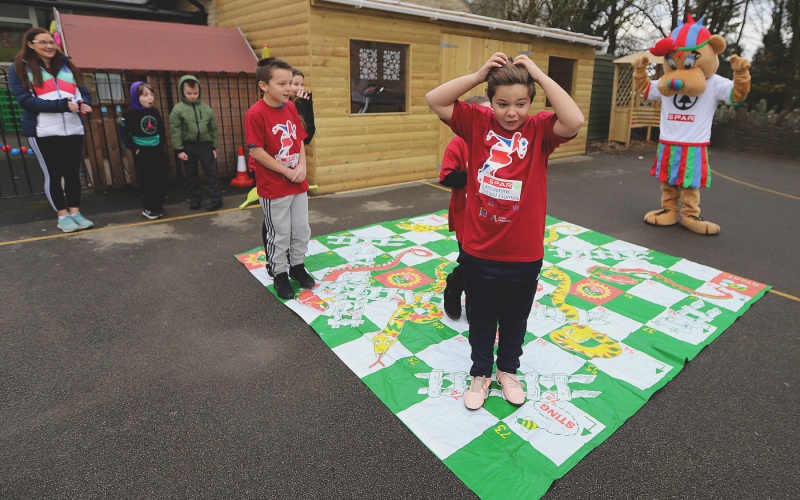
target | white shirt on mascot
[{"x": 687, "y": 120}]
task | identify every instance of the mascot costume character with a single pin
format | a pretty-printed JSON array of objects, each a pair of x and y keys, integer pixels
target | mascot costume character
[{"x": 689, "y": 92}]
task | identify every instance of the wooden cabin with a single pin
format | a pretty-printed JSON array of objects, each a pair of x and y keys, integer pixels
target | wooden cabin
[{"x": 369, "y": 64}]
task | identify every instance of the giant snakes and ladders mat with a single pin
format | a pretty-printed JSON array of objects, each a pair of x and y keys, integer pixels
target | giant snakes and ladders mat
[{"x": 612, "y": 323}]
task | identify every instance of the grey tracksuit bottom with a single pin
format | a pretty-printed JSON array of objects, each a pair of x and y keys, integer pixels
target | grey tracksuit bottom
[{"x": 286, "y": 231}]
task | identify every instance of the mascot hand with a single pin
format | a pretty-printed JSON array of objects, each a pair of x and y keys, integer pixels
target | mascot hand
[
  {"x": 739, "y": 64},
  {"x": 640, "y": 77},
  {"x": 741, "y": 79},
  {"x": 640, "y": 63}
]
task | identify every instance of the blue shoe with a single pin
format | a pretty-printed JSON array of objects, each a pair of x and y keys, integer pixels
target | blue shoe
[
  {"x": 68, "y": 225},
  {"x": 82, "y": 221}
]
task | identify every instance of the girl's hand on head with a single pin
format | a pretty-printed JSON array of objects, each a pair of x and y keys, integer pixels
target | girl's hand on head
[
  {"x": 497, "y": 60},
  {"x": 528, "y": 64},
  {"x": 302, "y": 95}
]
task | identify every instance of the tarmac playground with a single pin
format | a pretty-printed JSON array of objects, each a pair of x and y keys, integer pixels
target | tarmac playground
[{"x": 140, "y": 360}]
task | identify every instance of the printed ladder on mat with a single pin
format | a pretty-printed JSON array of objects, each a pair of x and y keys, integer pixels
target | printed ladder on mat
[{"x": 612, "y": 323}]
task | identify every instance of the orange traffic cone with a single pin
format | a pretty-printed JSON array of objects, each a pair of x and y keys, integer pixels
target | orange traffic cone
[{"x": 241, "y": 179}]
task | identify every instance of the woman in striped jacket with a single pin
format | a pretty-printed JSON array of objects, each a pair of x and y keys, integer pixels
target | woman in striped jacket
[{"x": 53, "y": 97}]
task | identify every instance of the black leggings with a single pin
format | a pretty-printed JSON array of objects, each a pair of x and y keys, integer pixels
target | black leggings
[
  {"x": 60, "y": 158},
  {"x": 152, "y": 170}
]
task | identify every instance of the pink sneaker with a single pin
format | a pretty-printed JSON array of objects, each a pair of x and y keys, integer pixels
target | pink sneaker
[
  {"x": 512, "y": 389},
  {"x": 478, "y": 392}
]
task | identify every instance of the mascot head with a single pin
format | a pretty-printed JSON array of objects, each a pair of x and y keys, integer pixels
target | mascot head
[{"x": 690, "y": 57}]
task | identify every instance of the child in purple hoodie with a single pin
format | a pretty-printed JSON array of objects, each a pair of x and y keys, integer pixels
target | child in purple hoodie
[{"x": 143, "y": 133}]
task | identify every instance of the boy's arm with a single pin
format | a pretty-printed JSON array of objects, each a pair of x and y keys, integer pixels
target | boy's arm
[
  {"x": 212, "y": 128},
  {"x": 175, "y": 128},
  {"x": 454, "y": 169},
  {"x": 268, "y": 162},
  {"x": 456, "y": 179},
  {"x": 441, "y": 99},
  {"x": 299, "y": 172},
  {"x": 305, "y": 108},
  {"x": 569, "y": 116}
]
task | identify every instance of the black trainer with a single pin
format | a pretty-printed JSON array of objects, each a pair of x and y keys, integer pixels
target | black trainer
[
  {"x": 215, "y": 205},
  {"x": 300, "y": 275},
  {"x": 194, "y": 204},
  {"x": 452, "y": 299},
  {"x": 283, "y": 287}
]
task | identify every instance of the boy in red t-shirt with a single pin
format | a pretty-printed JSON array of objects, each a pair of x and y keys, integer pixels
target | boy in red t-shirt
[
  {"x": 503, "y": 240},
  {"x": 274, "y": 134},
  {"x": 453, "y": 174}
]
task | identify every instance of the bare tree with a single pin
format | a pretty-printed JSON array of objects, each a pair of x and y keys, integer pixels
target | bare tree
[{"x": 628, "y": 25}]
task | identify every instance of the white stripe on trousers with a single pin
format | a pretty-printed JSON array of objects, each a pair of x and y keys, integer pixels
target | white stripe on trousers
[
  {"x": 287, "y": 231},
  {"x": 35, "y": 147}
]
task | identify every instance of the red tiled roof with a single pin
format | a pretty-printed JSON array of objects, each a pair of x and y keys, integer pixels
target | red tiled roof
[{"x": 117, "y": 44}]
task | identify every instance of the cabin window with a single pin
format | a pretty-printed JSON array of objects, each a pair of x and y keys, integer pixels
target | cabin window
[
  {"x": 562, "y": 71},
  {"x": 378, "y": 77},
  {"x": 109, "y": 87}
]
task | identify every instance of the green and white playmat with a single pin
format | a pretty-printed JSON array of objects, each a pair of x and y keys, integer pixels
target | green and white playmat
[{"x": 612, "y": 323}]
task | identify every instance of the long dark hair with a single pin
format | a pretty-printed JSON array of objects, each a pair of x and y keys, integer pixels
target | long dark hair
[{"x": 28, "y": 57}]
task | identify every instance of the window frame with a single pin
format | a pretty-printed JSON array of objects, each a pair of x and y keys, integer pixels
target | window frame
[{"x": 356, "y": 82}]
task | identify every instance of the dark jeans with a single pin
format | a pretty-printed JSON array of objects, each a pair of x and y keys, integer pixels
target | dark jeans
[
  {"x": 152, "y": 170},
  {"x": 500, "y": 294},
  {"x": 202, "y": 153}
]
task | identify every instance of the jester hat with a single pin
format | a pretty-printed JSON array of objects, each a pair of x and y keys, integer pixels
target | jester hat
[{"x": 687, "y": 36}]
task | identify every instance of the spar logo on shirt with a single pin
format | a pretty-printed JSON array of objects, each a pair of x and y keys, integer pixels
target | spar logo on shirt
[
  {"x": 501, "y": 155},
  {"x": 677, "y": 117},
  {"x": 288, "y": 134}
]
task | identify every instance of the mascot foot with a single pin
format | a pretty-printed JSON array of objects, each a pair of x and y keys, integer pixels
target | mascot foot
[
  {"x": 699, "y": 225},
  {"x": 663, "y": 217}
]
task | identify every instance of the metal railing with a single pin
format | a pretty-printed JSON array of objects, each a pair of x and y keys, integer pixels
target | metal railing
[{"x": 107, "y": 164}]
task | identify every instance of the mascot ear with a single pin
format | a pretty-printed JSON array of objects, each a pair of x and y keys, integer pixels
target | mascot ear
[
  {"x": 663, "y": 47},
  {"x": 717, "y": 43}
]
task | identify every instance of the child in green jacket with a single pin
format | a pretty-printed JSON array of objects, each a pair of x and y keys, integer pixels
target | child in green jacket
[{"x": 194, "y": 138}]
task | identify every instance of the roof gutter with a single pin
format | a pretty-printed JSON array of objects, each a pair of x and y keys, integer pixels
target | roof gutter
[
  {"x": 601, "y": 46},
  {"x": 118, "y": 10}
]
